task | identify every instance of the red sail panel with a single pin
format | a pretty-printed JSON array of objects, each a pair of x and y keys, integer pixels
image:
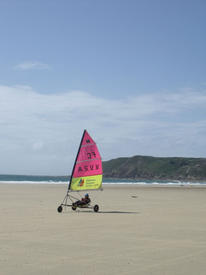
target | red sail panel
[
  {"x": 88, "y": 160},
  {"x": 88, "y": 152},
  {"x": 87, "y": 168},
  {"x": 87, "y": 171}
]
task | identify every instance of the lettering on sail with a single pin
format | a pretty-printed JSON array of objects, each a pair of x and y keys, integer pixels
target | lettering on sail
[
  {"x": 86, "y": 168},
  {"x": 91, "y": 155}
]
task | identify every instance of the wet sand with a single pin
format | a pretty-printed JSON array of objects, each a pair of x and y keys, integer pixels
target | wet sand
[{"x": 139, "y": 230}]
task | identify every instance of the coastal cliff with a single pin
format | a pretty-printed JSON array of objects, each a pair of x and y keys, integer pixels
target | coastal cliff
[{"x": 156, "y": 168}]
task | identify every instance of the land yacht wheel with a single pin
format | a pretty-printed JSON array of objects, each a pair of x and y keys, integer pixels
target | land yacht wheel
[
  {"x": 96, "y": 208},
  {"x": 59, "y": 209}
]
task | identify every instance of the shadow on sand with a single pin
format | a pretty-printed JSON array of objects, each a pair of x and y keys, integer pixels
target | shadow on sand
[
  {"x": 118, "y": 212},
  {"x": 101, "y": 212},
  {"x": 104, "y": 212}
]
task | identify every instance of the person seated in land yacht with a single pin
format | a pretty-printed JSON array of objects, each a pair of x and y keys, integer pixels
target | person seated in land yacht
[{"x": 84, "y": 201}]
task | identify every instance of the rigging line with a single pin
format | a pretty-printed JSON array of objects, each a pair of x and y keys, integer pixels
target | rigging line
[{"x": 76, "y": 159}]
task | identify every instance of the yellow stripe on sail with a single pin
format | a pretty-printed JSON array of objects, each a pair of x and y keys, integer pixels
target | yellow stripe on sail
[{"x": 86, "y": 183}]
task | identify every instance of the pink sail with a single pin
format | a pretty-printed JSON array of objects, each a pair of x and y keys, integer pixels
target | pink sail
[{"x": 88, "y": 161}]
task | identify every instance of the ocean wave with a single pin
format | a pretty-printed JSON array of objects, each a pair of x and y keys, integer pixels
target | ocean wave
[
  {"x": 116, "y": 182},
  {"x": 34, "y": 182},
  {"x": 155, "y": 183}
]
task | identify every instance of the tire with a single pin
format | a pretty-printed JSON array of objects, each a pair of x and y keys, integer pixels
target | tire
[
  {"x": 74, "y": 207},
  {"x": 96, "y": 208},
  {"x": 59, "y": 209}
]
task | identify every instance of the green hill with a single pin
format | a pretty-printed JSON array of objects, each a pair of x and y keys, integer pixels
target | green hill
[{"x": 156, "y": 168}]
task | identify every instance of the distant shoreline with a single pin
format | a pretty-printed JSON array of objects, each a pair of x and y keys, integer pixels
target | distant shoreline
[
  {"x": 117, "y": 183},
  {"x": 13, "y": 177}
]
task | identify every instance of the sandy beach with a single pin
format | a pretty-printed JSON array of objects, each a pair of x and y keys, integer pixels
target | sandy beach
[{"x": 139, "y": 230}]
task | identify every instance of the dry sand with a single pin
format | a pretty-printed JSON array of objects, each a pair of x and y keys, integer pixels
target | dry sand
[{"x": 139, "y": 230}]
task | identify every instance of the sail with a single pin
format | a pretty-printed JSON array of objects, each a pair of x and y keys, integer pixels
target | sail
[{"x": 87, "y": 170}]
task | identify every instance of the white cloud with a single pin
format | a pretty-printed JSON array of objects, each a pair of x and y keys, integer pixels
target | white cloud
[
  {"x": 38, "y": 145},
  {"x": 40, "y": 133},
  {"x": 32, "y": 65}
]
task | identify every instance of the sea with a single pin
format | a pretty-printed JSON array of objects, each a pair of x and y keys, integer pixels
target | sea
[{"x": 26, "y": 179}]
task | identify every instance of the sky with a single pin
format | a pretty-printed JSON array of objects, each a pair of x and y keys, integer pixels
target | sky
[{"x": 131, "y": 72}]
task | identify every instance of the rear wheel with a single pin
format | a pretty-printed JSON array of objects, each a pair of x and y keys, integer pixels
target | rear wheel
[
  {"x": 59, "y": 209},
  {"x": 74, "y": 207},
  {"x": 96, "y": 208}
]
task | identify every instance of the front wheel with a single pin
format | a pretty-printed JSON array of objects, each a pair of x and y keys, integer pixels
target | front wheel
[
  {"x": 96, "y": 208},
  {"x": 59, "y": 209}
]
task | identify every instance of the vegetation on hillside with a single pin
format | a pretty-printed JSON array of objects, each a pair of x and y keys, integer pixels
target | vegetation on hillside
[{"x": 156, "y": 168}]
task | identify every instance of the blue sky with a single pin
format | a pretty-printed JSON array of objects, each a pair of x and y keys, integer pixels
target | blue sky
[{"x": 131, "y": 72}]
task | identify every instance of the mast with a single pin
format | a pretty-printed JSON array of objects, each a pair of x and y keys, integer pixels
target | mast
[{"x": 76, "y": 160}]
